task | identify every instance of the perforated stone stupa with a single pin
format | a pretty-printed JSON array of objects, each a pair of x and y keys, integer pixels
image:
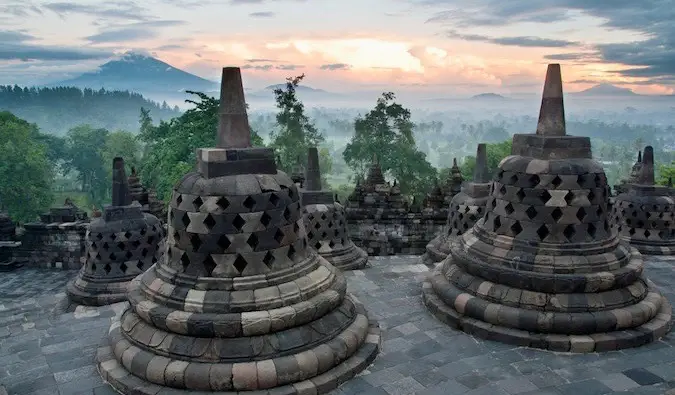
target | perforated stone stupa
[
  {"x": 645, "y": 213},
  {"x": 120, "y": 245},
  {"x": 543, "y": 268},
  {"x": 240, "y": 303},
  {"x": 466, "y": 208},
  {"x": 453, "y": 184},
  {"x": 325, "y": 221},
  {"x": 146, "y": 197}
]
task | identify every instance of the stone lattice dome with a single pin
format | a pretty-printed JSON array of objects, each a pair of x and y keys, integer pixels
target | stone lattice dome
[
  {"x": 543, "y": 267},
  {"x": 645, "y": 213},
  {"x": 240, "y": 301}
]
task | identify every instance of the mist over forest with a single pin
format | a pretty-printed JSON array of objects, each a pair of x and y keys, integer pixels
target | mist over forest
[{"x": 61, "y": 137}]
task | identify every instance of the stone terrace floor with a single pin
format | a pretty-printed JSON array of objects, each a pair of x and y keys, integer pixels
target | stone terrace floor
[{"x": 42, "y": 352}]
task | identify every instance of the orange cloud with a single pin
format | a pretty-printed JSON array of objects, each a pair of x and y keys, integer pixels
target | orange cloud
[{"x": 375, "y": 60}]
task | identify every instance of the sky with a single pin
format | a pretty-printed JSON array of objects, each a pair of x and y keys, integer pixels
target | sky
[{"x": 464, "y": 46}]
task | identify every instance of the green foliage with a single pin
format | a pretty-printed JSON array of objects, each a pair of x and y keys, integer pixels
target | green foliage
[
  {"x": 57, "y": 110},
  {"x": 387, "y": 132},
  {"x": 25, "y": 169},
  {"x": 84, "y": 154},
  {"x": 170, "y": 146},
  {"x": 295, "y": 133},
  {"x": 665, "y": 173},
  {"x": 495, "y": 152}
]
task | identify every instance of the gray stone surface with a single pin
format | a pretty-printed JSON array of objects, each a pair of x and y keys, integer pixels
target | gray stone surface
[{"x": 42, "y": 353}]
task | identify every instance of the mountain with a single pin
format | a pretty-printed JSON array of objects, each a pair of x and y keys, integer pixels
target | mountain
[
  {"x": 606, "y": 90},
  {"x": 143, "y": 74},
  {"x": 489, "y": 96}
]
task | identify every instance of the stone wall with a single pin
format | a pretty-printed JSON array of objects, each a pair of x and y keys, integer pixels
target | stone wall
[
  {"x": 393, "y": 232},
  {"x": 55, "y": 245}
]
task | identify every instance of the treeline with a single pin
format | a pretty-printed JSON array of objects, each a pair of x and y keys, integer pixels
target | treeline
[
  {"x": 57, "y": 110},
  {"x": 38, "y": 166}
]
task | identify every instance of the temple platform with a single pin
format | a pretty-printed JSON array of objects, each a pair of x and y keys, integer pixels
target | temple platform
[{"x": 46, "y": 352}]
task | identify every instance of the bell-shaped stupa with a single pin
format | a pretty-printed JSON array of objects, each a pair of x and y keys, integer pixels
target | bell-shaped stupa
[
  {"x": 543, "y": 268},
  {"x": 645, "y": 213},
  {"x": 240, "y": 303},
  {"x": 466, "y": 208},
  {"x": 325, "y": 221},
  {"x": 120, "y": 245}
]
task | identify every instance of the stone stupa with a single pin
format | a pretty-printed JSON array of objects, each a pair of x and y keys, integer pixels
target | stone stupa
[
  {"x": 543, "y": 268},
  {"x": 622, "y": 186},
  {"x": 646, "y": 212},
  {"x": 466, "y": 208},
  {"x": 8, "y": 243},
  {"x": 120, "y": 245},
  {"x": 325, "y": 221},
  {"x": 240, "y": 303}
]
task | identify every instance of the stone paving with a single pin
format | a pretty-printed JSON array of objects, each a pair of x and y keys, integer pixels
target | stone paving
[{"x": 44, "y": 352}]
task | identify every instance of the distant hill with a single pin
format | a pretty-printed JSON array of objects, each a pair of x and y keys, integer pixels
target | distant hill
[
  {"x": 299, "y": 88},
  {"x": 56, "y": 110},
  {"x": 606, "y": 90},
  {"x": 489, "y": 96},
  {"x": 142, "y": 74}
]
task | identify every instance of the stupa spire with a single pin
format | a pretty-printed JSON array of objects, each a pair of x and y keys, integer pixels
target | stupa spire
[
  {"x": 480, "y": 172},
  {"x": 233, "y": 127},
  {"x": 646, "y": 176},
  {"x": 552, "y": 111},
  {"x": 120, "y": 187},
  {"x": 313, "y": 173}
]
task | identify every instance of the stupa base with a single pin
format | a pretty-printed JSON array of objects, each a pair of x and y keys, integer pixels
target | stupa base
[
  {"x": 348, "y": 258},
  {"x": 437, "y": 250},
  {"x": 86, "y": 293},
  {"x": 651, "y": 249},
  {"x": 453, "y": 316},
  {"x": 264, "y": 375}
]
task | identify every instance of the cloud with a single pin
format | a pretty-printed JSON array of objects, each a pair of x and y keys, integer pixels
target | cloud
[
  {"x": 521, "y": 41},
  {"x": 289, "y": 67},
  {"x": 126, "y": 10},
  {"x": 38, "y": 52},
  {"x": 21, "y": 9},
  {"x": 652, "y": 57},
  {"x": 131, "y": 32},
  {"x": 269, "y": 67},
  {"x": 18, "y": 45},
  {"x": 335, "y": 66},
  {"x": 170, "y": 47},
  {"x": 261, "y": 60},
  {"x": 570, "y": 56},
  {"x": 262, "y": 14},
  {"x": 265, "y": 67},
  {"x": 121, "y": 35},
  {"x": 14, "y": 36}
]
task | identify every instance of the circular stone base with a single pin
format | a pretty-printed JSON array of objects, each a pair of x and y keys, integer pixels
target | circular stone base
[
  {"x": 437, "y": 250},
  {"x": 652, "y": 249},
  {"x": 124, "y": 382},
  {"x": 349, "y": 258},
  {"x": 114, "y": 293},
  {"x": 597, "y": 342}
]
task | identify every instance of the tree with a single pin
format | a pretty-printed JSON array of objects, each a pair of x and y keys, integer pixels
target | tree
[
  {"x": 123, "y": 144},
  {"x": 296, "y": 133},
  {"x": 495, "y": 152},
  {"x": 387, "y": 132},
  {"x": 665, "y": 173},
  {"x": 85, "y": 148},
  {"x": 170, "y": 146},
  {"x": 25, "y": 169}
]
